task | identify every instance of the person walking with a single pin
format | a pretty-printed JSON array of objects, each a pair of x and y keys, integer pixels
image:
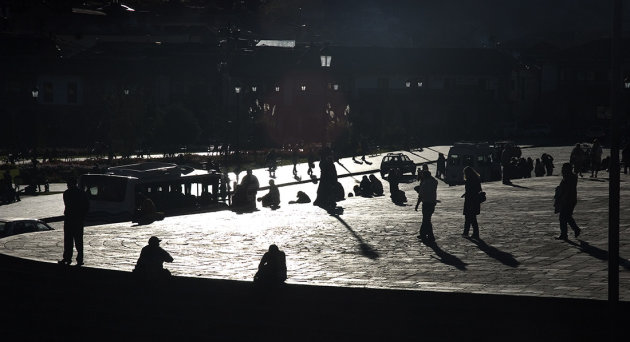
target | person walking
[
  {"x": 565, "y": 200},
  {"x": 472, "y": 201},
  {"x": 596, "y": 158},
  {"x": 77, "y": 205},
  {"x": 441, "y": 166},
  {"x": 294, "y": 159},
  {"x": 311, "y": 162},
  {"x": 577, "y": 159},
  {"x": 427, "y": 194}
]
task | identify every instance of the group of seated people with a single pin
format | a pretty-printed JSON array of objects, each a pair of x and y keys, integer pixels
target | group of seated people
[{"x": 369, "y": 187}]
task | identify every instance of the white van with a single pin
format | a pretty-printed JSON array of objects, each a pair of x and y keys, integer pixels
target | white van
[{"x": 480, "y": 156}]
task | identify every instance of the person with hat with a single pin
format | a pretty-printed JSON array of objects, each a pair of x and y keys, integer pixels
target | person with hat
[{"x": 152, "y": 258}]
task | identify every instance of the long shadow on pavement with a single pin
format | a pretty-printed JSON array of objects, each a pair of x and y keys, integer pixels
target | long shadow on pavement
[
  {"x": 446, "y": 257},
  {"x": 517, "y": 186},
  {"x": 366, "y": 249},
  {"x": 597, "y": 252},
  {"x": 504, "y": 257}
]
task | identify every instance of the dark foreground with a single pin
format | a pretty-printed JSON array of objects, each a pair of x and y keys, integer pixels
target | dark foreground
[{"x": 57, "y": 303}]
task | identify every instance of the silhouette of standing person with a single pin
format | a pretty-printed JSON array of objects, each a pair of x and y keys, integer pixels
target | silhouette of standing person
[
  {"x": 327, "y": 184},
  {"x": 311, "y": 162},
  {"x": 272, "y": 268},
  {"x": 565, "y": 200},
  {"x": 77, "y": 205},
  {"x": 596, "y": 158},
  {"x": 250, "y": 186},
  {"x": 294, "y": 160},
  {"x": 427, "y": 194},
  {"x": 441, "y": 166},
  {"x": 577, "y": 159},
  {"x": 547, "y": 161},
  {"x": 152, "y": 258},
  {"x": 539, "y": 169},
  {"x": 472, "y": 203}
]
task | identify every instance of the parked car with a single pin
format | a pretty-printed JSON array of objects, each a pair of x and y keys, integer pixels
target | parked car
[
  {"x": 479, "y": 155},
  {"x": 16, "y": 226},
  {"x": 399, "y": 161}
]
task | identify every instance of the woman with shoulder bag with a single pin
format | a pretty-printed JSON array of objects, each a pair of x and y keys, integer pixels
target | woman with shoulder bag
[{"x": 472, "y": 201}]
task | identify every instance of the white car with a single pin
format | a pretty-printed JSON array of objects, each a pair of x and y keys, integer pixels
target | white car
[{"x": 16, "y": 226}]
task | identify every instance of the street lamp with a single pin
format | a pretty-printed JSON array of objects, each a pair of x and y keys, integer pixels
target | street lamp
[
  {"x": 626, "y": 83},
  {"x": 237, "y": 89},
  {"x": 407, "y": 84},
  {"x": 35, "y": 93},
  {"x": 254, "y": 88},
  {"x": 277, "y": 88},
  {"x": 303, "y": 87},
  {"x": 126, "y": 91}
]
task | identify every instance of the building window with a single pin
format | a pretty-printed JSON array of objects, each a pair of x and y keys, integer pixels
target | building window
[
  {"x": 48, "y": 92},
  {"x": 72, "y": 92}
]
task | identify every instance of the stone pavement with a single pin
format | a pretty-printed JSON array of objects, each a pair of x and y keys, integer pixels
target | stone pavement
[{"x": 373, "y": 242}]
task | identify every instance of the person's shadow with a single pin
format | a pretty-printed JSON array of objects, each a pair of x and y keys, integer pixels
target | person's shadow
[
  {"x": 504, "y": 257},
  {"x": 597, "y": 252},
  {"x": 366, "y": 250},
  {"x": 445, "y": 257}
]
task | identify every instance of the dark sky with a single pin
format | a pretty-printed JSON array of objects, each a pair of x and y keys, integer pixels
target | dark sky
[{"x": 470, "y": 22}]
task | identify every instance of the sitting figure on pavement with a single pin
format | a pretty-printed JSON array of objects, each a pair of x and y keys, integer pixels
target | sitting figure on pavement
[
  {"x": 398, "y": 196},
  {"x": 365, "y": 187},
  {"x": 151, "y": 260},
  {"x": 377, "y": 186},
  {"x": 147, "y": 213},
  {"x": 272, "y": 269},
  {"x": 245, "y": 193},
  {"x": 272, "y": 198},
  {"x": 302, "y": 197}
]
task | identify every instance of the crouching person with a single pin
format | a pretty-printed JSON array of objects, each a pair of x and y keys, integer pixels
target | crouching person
[
  {"x": 272, "y": 269},
  {"x": 151, "y": 260}
]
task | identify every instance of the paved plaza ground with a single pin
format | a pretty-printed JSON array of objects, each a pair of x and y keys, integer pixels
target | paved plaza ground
[{"x": 372, "y": 243}]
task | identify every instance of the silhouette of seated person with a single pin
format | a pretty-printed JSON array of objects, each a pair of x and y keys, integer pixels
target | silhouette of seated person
[
  {"x": 302, "y": 197},
  {"x": 272, "y": 198},
  {"x": 365, "y": 187},
  {"x": 245, "y": 193},
  {"x": 176, "y": 199},
  {"x": 377, "y": 186},
  {"x": 206, "y": 196},
  {"x": 272, "y": 268},
  {"x": 398, "y": 196},
  {"x": 147, "y": 213},
  {"x": 151, "y": 260}
]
